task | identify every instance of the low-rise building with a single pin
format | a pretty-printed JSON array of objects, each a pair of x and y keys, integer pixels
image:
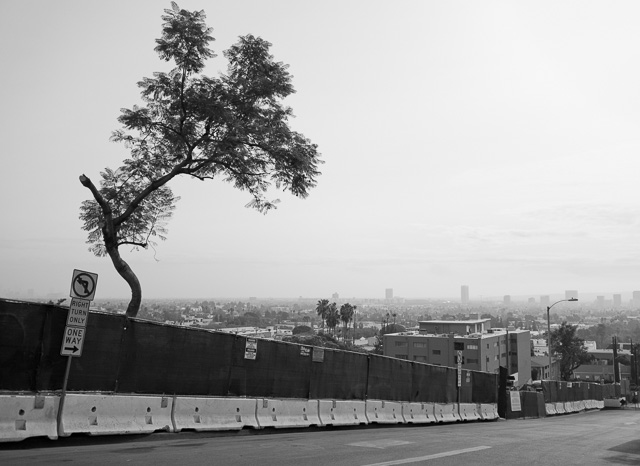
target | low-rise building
[
  {"x": 482, "y": 348},
  {"x": 602, "y": 367}
]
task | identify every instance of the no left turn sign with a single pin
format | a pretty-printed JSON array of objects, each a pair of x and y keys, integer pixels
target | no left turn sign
[{"x": 83, "y": 285}]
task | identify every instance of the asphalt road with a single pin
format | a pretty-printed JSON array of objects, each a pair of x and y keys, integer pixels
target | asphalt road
[{"x": 592, "y": 438}]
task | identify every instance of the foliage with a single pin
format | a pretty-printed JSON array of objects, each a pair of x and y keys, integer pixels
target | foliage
[
  {"x": 346, "y": 316},
  {"x": 570, "y": 349},
  {"x": 392, "y": 328},
  {"x": 321, "y": 309},
  {"x": 301, "y": 329},
  {"x": 232, "y": 127},
  {"x": 332, "y": 317}
]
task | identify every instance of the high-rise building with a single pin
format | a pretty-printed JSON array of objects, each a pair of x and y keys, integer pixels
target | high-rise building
[
  {"x": 335, "y": 296},
  {"x": 506, "y": 300},
  {"x": 617, "y": 300},
  {"x": 600, "y": 301},
  {"x": 464, "y": 294},
  {"x": 568, "y": 294},
  {"x": 544, "y": 300},
  {"x": 388, "y": 293},
  {"x": 636, "y": 298}
]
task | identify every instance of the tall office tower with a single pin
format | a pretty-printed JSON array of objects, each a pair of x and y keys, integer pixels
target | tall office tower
[
  {"x": 636, "y": 298},
  {"x": 568, "y": 294},
  {"x": 388, "y": 293},
  {"x": 600, "y": 301},
  {"x": 506, "y": 300},
  {"x": 335, "y": 296},
  {"x": 464, "y": 294},
  {"x": 617, "y": 300},
  {"x": 544, "y": 300}
]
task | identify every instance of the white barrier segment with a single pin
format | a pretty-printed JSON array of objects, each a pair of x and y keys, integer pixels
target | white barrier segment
[
  {"x": 204, "y": 413},
  {"x": 418, "y": 413},
  {"x": 488, "y": 411},
  {"x": 342, "y": 412},
  {"x": 550, "y": 409},
  {"x": 99, "y": 414},
  {"x": 599, "y": 404},
  {"x": 287, "y": 413},
  {"x": 446, "y": 412},
  {"x": 560, "y": 408},
  {"x": 24, "y": 416},
  {"x": 469, "y": 412},
  {"x": 581, "y": 405},
  {"x": 384, "y": 412}
]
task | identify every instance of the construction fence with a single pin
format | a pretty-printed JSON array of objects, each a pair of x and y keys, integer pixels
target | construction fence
[{"x": 134, "y": 356}]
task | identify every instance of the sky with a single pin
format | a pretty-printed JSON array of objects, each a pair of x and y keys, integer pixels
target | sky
[{"x": 492, "y": 144}]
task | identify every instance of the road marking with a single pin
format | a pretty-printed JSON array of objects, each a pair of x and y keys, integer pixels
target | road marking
[
  {"x": 380, "y": 443},
  {"x": 429, "y": 457}
]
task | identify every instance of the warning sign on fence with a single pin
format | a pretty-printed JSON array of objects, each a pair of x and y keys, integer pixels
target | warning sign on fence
[{"x": 251, "y": 348}]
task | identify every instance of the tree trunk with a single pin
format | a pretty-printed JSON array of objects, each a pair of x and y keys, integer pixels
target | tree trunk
[{"x": 132, "y": 280}]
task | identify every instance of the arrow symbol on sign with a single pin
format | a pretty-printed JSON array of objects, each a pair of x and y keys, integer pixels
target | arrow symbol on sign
[{"x": 73, "y": 349}]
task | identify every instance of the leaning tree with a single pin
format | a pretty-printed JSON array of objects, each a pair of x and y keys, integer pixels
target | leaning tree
[{"x": 232, "y": 127}]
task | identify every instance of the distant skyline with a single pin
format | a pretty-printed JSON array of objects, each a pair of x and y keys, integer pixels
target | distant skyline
[{"x": 492, "y": 144}]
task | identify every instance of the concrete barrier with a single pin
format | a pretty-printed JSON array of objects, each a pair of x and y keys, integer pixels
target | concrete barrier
[
  {"x": 599, "y": 404},
  {"x": 446, "y": 412},
  {"x": 342, "y": 413},
  {"x": 202, "y": 414},
  {"x": 99, "y": 414},
  {"x": 570, "y": 407},
  {"x": 550, "y": 409},
  {"x": 469, "y": 412},
  {"x": 560, "y": 408},
  {"x": 287, "y": 413},
  {"x": 418, "y": 413},
  {"x": 488, "y": 411},
  {"x": 612, "y": 403},
  {"x": 24, "y": 416},
  {"x": 384, "y": 412}
]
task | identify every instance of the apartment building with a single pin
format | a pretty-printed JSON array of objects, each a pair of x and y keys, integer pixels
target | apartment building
[{"x": 482, "y": 347}]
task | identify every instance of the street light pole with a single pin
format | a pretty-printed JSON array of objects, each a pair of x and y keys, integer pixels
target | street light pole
[{"x": 549, "y": 330}]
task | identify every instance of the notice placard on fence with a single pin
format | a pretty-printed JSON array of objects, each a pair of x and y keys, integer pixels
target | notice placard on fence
[
  {"x": 515, "y": 401},
  {"x": 305, "y": 351},
  {"x": 318, "y": 354},
  {"x": 251, "y": 348}
]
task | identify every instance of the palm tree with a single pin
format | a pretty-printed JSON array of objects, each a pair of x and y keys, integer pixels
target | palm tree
[
  {"x": 346, "y": 316},
  {"x": 322, "y": 308},
  {"x": 333, "y": 317}
]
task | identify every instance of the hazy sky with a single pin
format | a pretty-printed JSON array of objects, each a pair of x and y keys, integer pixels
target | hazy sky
[{"x": 492, "y": 144}]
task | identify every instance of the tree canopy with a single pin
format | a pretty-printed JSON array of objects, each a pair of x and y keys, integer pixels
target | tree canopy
[
  {"x": 232, "y": 127},
  {"x": 570, "y": 349}
]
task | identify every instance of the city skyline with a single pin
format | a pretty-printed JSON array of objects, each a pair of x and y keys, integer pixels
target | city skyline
[{"x": 487, "y": 144}]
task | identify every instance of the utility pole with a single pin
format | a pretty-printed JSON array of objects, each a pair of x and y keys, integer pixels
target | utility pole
[{"x": 616, "y": 369}]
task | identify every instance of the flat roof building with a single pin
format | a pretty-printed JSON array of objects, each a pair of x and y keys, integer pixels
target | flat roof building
[{"x": 485, "y": 349}]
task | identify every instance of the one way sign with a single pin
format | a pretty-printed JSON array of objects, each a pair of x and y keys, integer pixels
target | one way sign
[{"x": 72, "y": 341}]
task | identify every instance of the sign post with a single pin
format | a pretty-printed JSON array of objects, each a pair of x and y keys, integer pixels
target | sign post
[
  {"x": 83, "y": 290},
  {"x": 459, "y": 377}
]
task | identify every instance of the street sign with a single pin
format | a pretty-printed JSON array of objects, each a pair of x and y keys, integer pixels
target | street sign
[
  {"x": 83, "y": 285},
  {"x": 78, "y": 313},
  {"x": 72, "y": 341}
]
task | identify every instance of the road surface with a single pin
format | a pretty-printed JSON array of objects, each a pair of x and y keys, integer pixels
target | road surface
[{"x": 592, "y": 438}]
